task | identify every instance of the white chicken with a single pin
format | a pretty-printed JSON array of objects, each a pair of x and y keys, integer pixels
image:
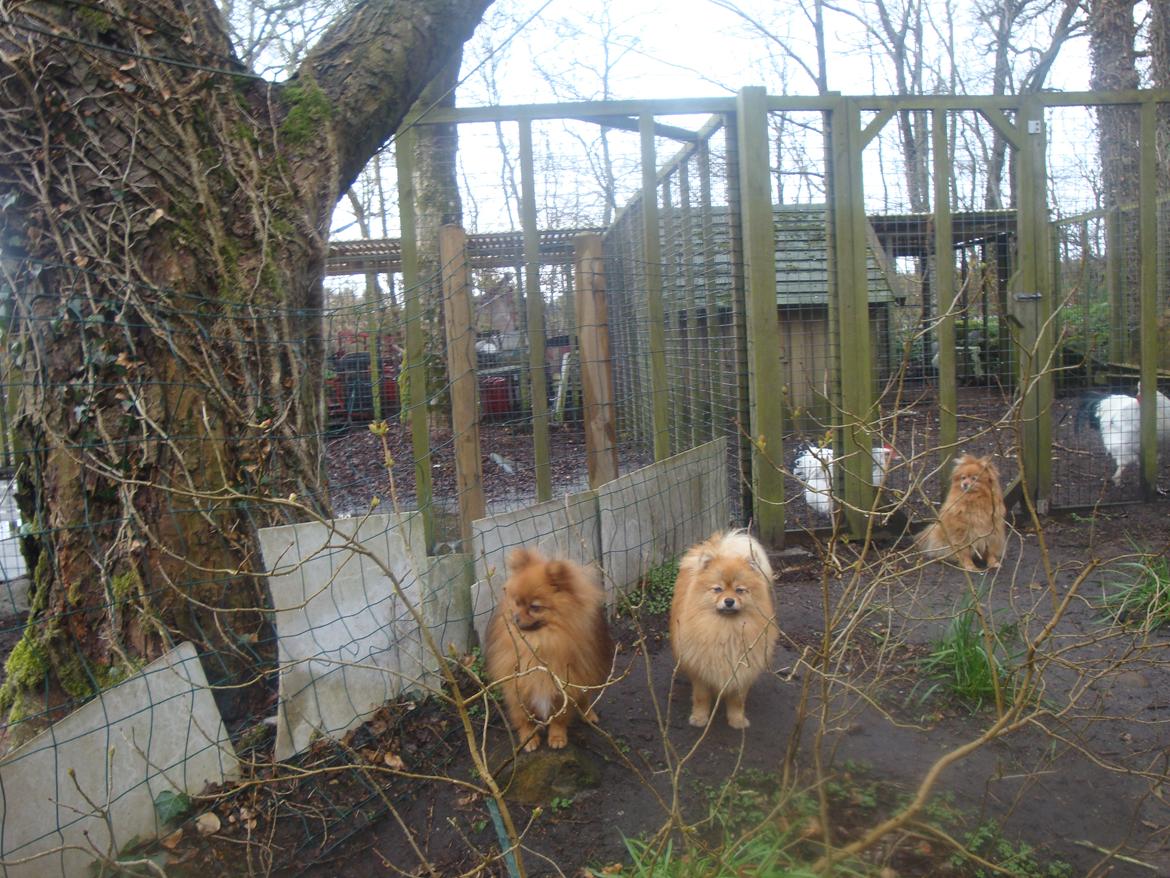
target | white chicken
[
  {"x": 815, "y": 465},
  {"x": 1117, "y": 417}
]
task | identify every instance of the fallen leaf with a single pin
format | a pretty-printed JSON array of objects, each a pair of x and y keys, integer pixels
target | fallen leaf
[
  {"x": 394, "y": 761},
  {"x": 172, "y": 841},
  {"x": 207, "y": 823}
]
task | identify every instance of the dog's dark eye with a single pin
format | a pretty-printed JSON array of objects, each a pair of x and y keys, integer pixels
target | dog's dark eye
[
  {"x": 535, "y": 608},
  {"x": 716, "y": 588},
  {"x": 739, "y": 589}
]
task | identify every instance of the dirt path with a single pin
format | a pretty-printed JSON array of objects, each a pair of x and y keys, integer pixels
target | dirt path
[{"x": 1073, "y": 783}]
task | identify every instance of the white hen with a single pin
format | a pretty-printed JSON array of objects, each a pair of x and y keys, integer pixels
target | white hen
[
  {"x": 815, "y": 465},
  {"x": 1117, "y": 417}
]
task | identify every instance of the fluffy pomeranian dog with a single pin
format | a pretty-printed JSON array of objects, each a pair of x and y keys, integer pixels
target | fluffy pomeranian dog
[
  {"x": 548, "y": 646},
  {"x": 970, "y": 524},
  {"x": 722, "y": 625}
]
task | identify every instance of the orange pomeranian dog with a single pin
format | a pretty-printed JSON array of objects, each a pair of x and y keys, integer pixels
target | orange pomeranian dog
[
  {"x": 722, "y": 626},
  {"x": 970, "y": 524},
  {"x": 548, "y": 646}
]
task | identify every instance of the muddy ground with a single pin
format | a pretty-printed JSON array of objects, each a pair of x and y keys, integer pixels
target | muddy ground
[{"x": 1082, "y": 779}]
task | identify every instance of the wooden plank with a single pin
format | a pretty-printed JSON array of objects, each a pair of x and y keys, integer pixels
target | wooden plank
[
  {"x": 596, "y": 362},
  {"x": 458, "y": 320},
  {"x": 692, "y": 347},
  {"x": 534, "y": 298},
  {"x": 414, "y": 371},
  {"x": 712, "y": 337},
  {"x": 652, "y": 266},
  {"x": 1148, "y": 307},
  {"x": 944, "y": 285},
  {"x": 763, "y": 328},
  {"x": 1032, "y": 307},
  {"x": 852, "y": 305}
]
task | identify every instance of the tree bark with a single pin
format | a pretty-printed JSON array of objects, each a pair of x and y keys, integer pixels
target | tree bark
[
  {"x": 165, "y": 217},
  {"x": 1112, "y": 55}
]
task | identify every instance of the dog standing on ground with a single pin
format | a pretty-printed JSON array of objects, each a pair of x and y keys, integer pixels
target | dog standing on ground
[
  {"x": 971, "y": 523},
  {"x": 722, "y": 624},
  {"x": 548, "y": 646}
]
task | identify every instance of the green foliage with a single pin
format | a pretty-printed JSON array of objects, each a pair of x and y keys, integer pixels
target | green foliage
[
  {"x": 171, "y": 806},
  {"x": 654, "y": 592},
  {"x": 308, "y": 112},
  {"x": 1016, "y": 859},
  {"x": 765, "y": 854},
  {"x": 560, "y": 804},
  {"x": 961, "y": 663},
  {"x": 1140, "y": 596}
]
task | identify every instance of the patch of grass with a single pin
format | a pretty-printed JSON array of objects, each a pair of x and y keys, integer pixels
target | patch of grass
[
  {"x": 1017, "y": 859},
  {"x": 654, "y": 593},
  {"x": 766, "y": 854},
  {"x": 756, "y": 830},
  {"x": 1140, "y": 597},
  {"x": 961, "y": 664}
]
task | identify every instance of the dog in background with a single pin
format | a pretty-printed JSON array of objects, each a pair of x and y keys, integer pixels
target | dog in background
[
  {"x": 722, "y": 624},
  {"x": 548, "y": 646},
  {"x": 971, "y": 522}
]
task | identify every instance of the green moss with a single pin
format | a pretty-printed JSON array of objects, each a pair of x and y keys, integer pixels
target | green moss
[
  {"x": 308, "y": 111},
  {"x": 125, "y": 585},
  {"x": 95, "y": 20},
  {"x": 26, "y": 666}
]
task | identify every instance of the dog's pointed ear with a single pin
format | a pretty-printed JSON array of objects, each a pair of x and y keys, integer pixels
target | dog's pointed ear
[
  {"x": 560, "y": 575},
  {"x": 520, "y": 558}
]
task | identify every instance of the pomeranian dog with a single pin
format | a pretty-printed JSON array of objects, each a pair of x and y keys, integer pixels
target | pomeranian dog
[
  {"x": 970, "y": 524},
  {"x": 722, "y": 625},
  {"x": 548, "y": 646}
]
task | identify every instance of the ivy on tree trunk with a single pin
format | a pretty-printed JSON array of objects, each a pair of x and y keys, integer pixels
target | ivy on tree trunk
[{"x": 165, "y": 216}]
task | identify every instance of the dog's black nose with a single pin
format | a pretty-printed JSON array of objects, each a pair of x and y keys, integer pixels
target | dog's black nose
[{"x": 729, "y": 602}]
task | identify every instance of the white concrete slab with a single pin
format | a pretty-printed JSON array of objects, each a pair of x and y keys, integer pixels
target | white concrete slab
[
  {"x": 447, "y": 602},
  {"x": 12, "y": 566},
  {"x": 97, "y": 772},
  {"x": 657, "y": 512},
  {"x": 564, "y": 528},
  {"x": 347, "y": 639}
]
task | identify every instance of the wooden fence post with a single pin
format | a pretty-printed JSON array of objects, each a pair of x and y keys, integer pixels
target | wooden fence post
[
  {"x": 534, "y": 299},
  {"x": 765, "y": 379},
  {"x": 596, "y": 364},
  {"x": 460, "y": 326},
  {"x": 414, "y": 370}
]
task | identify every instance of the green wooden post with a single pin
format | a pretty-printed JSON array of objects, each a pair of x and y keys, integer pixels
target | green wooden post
[
  {"x": 693, "y": 348},
  {"x": 670, "y": 304},
  {"x": 851, "y": 291},
  {"x": 944, "y": 286},
  {"x": 763, "y": 322},
  {"x": 1148, "y": 332},
  {"x": 712, "y": 336},
  {"x": 535, "y": 313},
  {"x": 1120, "y": 343},
  {"x": 414, "y": 373},
  {"x": 1032, "y": 306},
  {"x": 655, "y": 312}
]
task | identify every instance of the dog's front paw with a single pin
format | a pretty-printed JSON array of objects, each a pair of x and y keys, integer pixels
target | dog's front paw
[
  {"x": 738, "y": 721},
  {"x": 558, "y": 739},
  {"x": 533, "y": 743},
  {"x": 699, "y": 719}
]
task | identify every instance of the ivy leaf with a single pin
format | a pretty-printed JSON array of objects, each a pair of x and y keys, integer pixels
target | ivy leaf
[{"x": 170, "y": 806}]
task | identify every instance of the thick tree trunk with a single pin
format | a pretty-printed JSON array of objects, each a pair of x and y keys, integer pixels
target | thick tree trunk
[
  {"x": 1111, "y": 48},
  {"x": 165, "y": 219}
]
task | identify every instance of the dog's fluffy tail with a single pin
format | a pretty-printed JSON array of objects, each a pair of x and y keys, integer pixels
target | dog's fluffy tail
[{"x": 932, "y": 541}]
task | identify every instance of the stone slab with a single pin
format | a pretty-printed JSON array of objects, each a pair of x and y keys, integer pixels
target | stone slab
[
  {"x": 656, "y": 513},
  {"x": 347, "y": 638},
  {"x": 156, "y": 731}
]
